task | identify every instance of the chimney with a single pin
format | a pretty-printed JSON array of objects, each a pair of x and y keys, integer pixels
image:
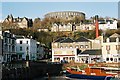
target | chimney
[{"x": 97, "y": 26}]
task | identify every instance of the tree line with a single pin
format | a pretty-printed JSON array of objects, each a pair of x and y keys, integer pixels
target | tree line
[{"x": 48, "y": 37}]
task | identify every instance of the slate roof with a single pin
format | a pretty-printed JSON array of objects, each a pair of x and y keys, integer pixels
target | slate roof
[
  {"x": 59, "y": 39},
  {"x": 19, "y": 37},
  {"x": 93, "y": 52},
  {"x": 82, "y": 39},
  {"x": 67, "y": 40}
]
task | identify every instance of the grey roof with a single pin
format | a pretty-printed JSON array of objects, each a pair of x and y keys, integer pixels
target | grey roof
[
  {"x": 93, "y": 52},
  {"x": 59, "y": 39},
  {"x": 67, "y": 40},
  {"x": 82, "y": 39},
  {"x": 19, "y": 37}
]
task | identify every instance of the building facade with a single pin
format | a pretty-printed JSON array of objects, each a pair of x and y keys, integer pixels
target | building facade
[
  {"x": 9, "y": 47},
  {"x": 40, "y": 51},
  {"x": 19, "y": 22},
  {"x": 26, "y": 47},
  {"x": 85, "y": 27},
  {"x": 90, "y": 56},
  {"x": 111, "y": 49},
  {"x": 68, "y": 15},
  {"x": 107, "y": 24},
  {"x": 62, "y": 27},
  {"x": 1, "y": 51},
  {"x": 63, "y": 48},
  {"x": 67, "y": 54},
  {"x": 1, "y": 45}
]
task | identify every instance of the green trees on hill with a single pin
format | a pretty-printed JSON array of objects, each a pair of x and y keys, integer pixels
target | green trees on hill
[{"x": 48, "y": 37}]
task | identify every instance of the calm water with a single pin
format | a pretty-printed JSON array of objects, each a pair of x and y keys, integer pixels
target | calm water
[
  {"x": 62, "y": 78},
  {"x": 58, "y": 78}
]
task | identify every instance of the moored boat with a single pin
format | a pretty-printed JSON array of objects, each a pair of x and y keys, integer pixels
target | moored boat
[{"x": 90, "y": 74}]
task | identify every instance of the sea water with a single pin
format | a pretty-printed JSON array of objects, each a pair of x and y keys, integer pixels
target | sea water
[{"x": 64, "y": 78}]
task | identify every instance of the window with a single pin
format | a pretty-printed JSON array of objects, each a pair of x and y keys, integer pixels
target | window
[
  {"x": 20, "y": 56},
  {"x": 13, "y": 41},
  {"x": 9, "y": 48},
  {"x": 26, "y": 42},
  {"x": 119, "y": 59},
  {"x": 76, "y": 47},
  {"x": 20, "y": 48},
  {"x": 107, "y": 59},
  {"x": 61, "y": 47},
  {"x": 13, "y": 48},
  {"x": 111, "y": 59},
  {"x": 107, "y": 47},
  {"x": 115, "y": 60},
  {"x": 9, "y": 40},
  {"x": 71, "y": 47},
  {"x": 86, "y": 46},
  {"x": 72, "y": 58},
  {"x": 20, "y": 42},
  {"x": 108, "y": 52},
  {"x": 6, "y": 40},
  {"x": 117, "y": 47},
  {"x": 27, "y": 48},
  {"x": 81, "y": 46}
]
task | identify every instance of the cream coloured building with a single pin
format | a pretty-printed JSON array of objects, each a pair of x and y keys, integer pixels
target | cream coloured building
[
  {"x": 62, "y": 27},
  {"x": 69, "y": 54},
  {"x": 20, "y": 22},
  {"x": 111, "y": 49},
  {"x": 70, "y": 50}
]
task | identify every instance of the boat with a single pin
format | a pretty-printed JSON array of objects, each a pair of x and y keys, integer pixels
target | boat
[{"x": 90, "y": 73}]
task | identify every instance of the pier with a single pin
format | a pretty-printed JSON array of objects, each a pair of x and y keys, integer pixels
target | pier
[{"x": 35, "y": 70}]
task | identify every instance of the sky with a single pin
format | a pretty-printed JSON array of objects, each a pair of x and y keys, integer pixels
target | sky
[{"x": 39, "y": 9}]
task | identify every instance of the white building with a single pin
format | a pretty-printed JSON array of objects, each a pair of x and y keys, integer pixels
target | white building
[
  {"x": 85, "y": 27},
  {"x": 26, "y": 46},
  {"x": 61, "y": 27},
  {"x": 108, "y": 24},
  {"x": 111, "y": 49}
]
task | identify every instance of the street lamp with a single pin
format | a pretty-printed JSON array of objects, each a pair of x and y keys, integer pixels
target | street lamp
[{"x": 27, "y": 58}]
